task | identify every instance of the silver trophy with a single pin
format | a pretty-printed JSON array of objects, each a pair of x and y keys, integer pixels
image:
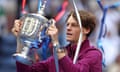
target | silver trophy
[{"x": 32, "y": 26}]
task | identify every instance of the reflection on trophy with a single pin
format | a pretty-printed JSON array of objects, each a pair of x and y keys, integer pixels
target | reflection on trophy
[{"x": 32, "y": 26}]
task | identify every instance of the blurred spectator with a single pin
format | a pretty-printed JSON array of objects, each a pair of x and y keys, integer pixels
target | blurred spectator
[
  {"x": 3, "y": 22},
  {"x": 111, "y": 41},
  {"x": 115, "y": 67}
]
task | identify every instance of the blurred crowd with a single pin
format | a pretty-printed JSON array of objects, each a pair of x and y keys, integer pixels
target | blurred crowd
[{"x": 11, "y": 10}]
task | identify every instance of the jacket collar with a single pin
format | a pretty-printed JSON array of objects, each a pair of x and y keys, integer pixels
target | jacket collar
[{"x": 85, "y": 44}]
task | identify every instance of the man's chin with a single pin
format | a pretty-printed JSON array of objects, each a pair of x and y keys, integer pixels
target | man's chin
[{"x": 69, "y": 40}]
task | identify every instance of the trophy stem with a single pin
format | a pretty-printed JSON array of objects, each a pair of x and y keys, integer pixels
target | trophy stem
[
  {"x": 19, "y": 46},
  {"x": 23, "y": 55},
  {"x": 26, "y": 48},
  {"x": 25, "y": 51}
]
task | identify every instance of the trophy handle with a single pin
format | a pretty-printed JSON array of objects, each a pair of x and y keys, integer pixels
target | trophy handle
[
  {"x": 46, "y": 25},
  {"x": 51, "y": 21}
]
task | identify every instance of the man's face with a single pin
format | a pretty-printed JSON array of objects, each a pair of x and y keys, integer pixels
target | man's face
[{"x": 73, "y": 30}]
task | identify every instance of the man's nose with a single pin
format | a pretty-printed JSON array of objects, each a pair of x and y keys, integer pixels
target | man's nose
[{"x": 69, "y": 27}]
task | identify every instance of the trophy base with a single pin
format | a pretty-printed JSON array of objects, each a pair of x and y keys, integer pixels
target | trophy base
[{"x": 22, "y": 59}]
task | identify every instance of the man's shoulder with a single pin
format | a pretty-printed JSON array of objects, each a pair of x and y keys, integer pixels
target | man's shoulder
[{"x": 93, "y": 50}]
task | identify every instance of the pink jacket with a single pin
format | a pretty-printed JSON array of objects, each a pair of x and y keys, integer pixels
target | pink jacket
[{"x": 89, "y": 60}]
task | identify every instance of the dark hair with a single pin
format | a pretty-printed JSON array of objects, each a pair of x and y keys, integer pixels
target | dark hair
[{"x": 88, "y": 20}]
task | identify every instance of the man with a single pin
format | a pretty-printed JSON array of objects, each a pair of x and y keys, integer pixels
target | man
[{"x": 89, "y": 58}]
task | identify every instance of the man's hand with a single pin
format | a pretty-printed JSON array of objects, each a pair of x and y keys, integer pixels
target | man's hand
[
  {"x": 17, "y": 27},
  {"x": 61, "y": 53},
  {"x": 52, "y": 31}
]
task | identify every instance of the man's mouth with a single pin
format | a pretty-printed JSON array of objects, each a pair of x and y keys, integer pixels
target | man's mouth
[{"x": 69, "y": 33}]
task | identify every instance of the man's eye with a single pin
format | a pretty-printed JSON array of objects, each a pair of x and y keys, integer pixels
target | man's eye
[
  {"x": 67, "y": 24},
  {"x": 74, "y": 25}
]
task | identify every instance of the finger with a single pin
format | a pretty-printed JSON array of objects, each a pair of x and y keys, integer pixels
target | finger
[
  {"x": 53, "y": 26},
  {"x": 17, "y": 22},
  {"x": 51, "y": 33},
  {"x": 14, "y": 31},
  {"x": 17, "y": 25},
  {"x": 50, "y": 29}
]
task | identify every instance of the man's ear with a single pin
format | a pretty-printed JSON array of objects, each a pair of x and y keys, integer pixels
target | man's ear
[{"x": 86, "y": 31}]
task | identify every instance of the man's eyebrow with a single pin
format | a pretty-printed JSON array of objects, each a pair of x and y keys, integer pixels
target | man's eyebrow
[{"x": 75, "y": 23}]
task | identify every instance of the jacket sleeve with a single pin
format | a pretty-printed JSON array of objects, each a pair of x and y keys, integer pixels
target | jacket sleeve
[
  {"x": 38, "y": 67},
  {"x": 83, "y": 64}
]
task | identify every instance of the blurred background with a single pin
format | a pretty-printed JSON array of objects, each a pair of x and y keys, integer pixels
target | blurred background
[{"x": 11, "y": 10}]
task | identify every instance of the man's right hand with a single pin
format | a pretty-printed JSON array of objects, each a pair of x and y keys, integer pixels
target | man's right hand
[{"x": 17, "y": 27}]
